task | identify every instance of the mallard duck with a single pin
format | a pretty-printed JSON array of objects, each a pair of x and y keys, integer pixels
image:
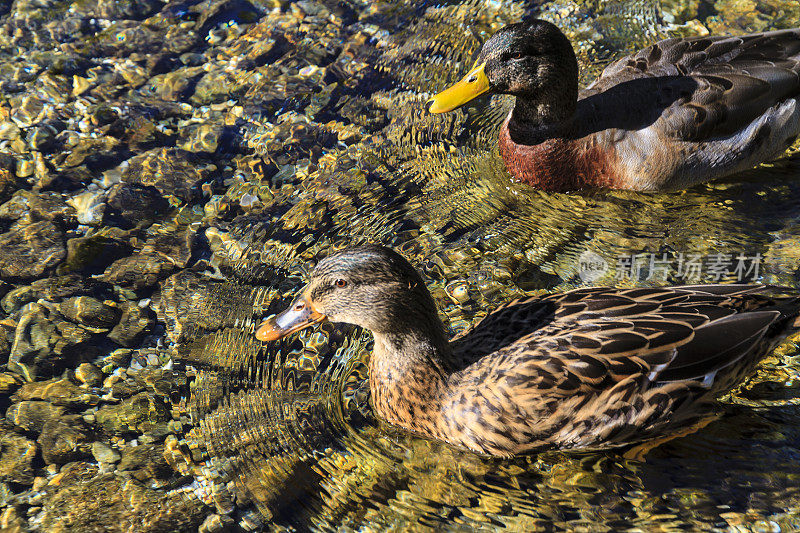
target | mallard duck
[
  {"x": 587, "y": 369},
  {"x": 677, "y": 113}
]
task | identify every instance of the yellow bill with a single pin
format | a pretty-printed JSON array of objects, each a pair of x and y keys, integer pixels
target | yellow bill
[
  {"x": 474, "y": 84},
  {"x": 301, "y": 314}
]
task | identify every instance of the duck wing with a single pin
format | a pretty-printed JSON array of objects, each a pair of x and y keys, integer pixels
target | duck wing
[
  {"x": 706, "y": 87},
  {"x": 597, "y": 338},
  {"x": 614, "y": 366},
  {"x": 500, "y": 328}
]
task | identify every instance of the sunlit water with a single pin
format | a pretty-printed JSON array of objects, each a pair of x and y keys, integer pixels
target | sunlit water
[{"x": 290, "y": 422}]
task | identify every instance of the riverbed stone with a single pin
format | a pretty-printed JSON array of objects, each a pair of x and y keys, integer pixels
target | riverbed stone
[
  {"x": 31, "y": 251},
  {"x": 9, "y": 182},
  {"x": 89, "y": 206},
  {"x": 139, "y": 271},
  {"x": 191, "y": 303},
  {"x": 92, "y": 254},
  {"x": 138, "y": 413},
  {"x": 34, "y": 342},
  {"x": 53, "y": 289},
  {"x": 26, "y": 207},
  {"x": 44, "y": 342},
  {"x": 145, "y": 462},
  {"x": 9, "y": 382},
  {"x": 64, "y": 439},
  {"x": 12, "y": 520},
  {"x": 104, "y": 453},
  {"x": 79, "y": 498},
  {"x": 89, "y": 374},
  {"x": 6, "y": 338},
  {"x": 90, "y": 312},
  {"x": 174, "y": 172},
  {"x": 202, "y": 137},
  {"x": 134, "y": 324},
  {"x": 134, "y": 205},
  {"x": 175, "y": 245},
  {"x": 31, "y": 415},
  {"x": 58, "y": 391},
  {"x": 17, "y": 454}
]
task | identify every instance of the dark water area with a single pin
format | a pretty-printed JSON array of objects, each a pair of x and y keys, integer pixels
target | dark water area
[{"x": 171, "y": 171}]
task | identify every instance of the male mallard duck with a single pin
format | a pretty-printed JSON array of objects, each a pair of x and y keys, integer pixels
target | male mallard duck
[
  {"x": 586, "y": 369},
  {"x": 677, "y": 113}
]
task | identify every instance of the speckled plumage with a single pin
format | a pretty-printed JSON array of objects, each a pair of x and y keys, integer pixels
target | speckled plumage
[
  {"x": 677, "y": 113},
  {"x": 586, "y": 369}
]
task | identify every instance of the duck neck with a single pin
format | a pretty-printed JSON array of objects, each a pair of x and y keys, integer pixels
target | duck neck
[
  {"x": 534, "y": 120},
  {"x": 548, "y": 108},
  {"x": 408, "y": 372}
]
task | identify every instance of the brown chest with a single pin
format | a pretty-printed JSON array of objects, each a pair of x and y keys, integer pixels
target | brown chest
[
  {"x": 407, "y": 396},
  {"x": 561, "y": 165},
  {"x": 411, "y": 403}
]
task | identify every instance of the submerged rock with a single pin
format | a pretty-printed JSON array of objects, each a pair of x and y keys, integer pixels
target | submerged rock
[
  {"x": 175, "y": 85},
  {"x": 145, "y": 462},
  {"x": 117, "y": 9},
  {"x": 93, "y": 254},
  {"x": 81, "y": 499},
  {"x": 203, "y": 138},
  {"x": 104, "y": 453},
  {"x": 139, "y": 271},
  {"x": 31, "y": 415},
  {"x": 53, "y": 289},
  {"x": 134, "y": 324},
  {"x": 11, "y": 519},
  {"x": 90, "y": 207},
  {"x": 31, "y": 251},
  {"x": 175, "y": 245},
  {"x": 9, "y": 382},
  {"x": 26, "y": 207},
  {"x": 34, "y": 342},
  {"x": 134, "y": 204},
  {"x": 90, "y": 311},
  {"x": 57, "y": 392},
  {"x": 43, "y": 342},
  {"x": 172, "y": 171},
  {"x": 191, "y": 303},
  {"x": 64, "y": 439},
  {"x": 8, "y": 179},
  {"x": 89, "y": 374},
  {"x": 138, "y": 413},
  {"x": 16, "y": 457},
  {"x": 6, "y": 338}
]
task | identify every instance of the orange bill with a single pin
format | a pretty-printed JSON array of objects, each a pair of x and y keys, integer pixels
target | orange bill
[
  {"x": 300, "y": 314},
  {"x": 474, "y": 84}
]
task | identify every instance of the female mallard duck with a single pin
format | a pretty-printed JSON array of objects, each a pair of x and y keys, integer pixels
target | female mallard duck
[
  {"x": 677, "y": 113},
  {"x": 586, "y": 369}
]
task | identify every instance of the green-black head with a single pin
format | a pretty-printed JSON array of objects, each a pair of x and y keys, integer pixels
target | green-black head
[{"x": 532, "y": 60}]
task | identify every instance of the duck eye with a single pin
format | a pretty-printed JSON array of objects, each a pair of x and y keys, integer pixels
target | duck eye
[
  {"x": 340, "y": 283},
  {"x": 517, "y": 55}
]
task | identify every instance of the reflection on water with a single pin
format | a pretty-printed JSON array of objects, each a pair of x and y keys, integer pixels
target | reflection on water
[{"x": 289, "y": 423}]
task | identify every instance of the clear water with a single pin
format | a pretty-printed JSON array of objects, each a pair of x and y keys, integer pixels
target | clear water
[{"x": 289, "y": 422}]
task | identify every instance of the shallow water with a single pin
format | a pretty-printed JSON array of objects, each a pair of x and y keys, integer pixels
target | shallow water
[{"x": 290, "y": 422}]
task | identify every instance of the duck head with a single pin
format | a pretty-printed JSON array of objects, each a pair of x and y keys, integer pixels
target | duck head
[
  {"x": 531, "y": 60},
  {"x": 372, "y": 286}
]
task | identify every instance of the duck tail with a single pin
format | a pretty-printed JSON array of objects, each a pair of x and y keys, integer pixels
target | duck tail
[
  {"x": 789, "y": 319},
  {"x": 764, "y": 297}
]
